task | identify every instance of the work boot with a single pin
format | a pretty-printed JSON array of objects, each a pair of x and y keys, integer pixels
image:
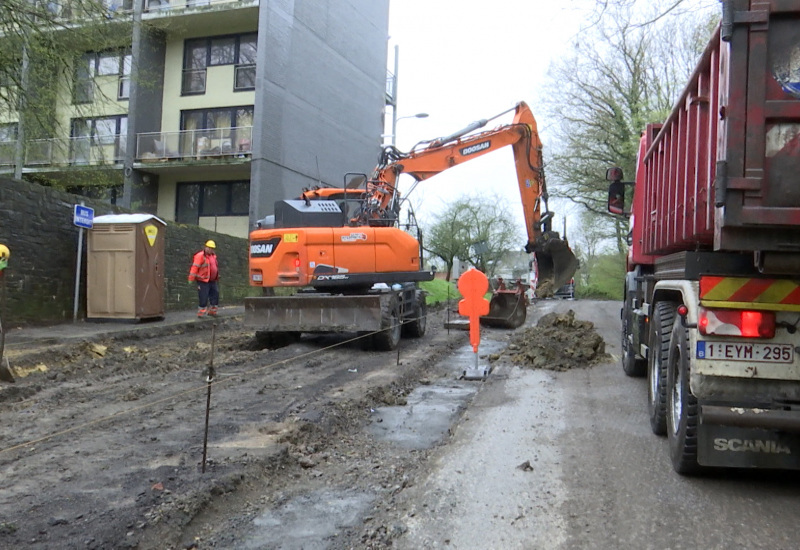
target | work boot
[
  {"x": 201, "y": 312},
  {"x": 212, "y": 311}
]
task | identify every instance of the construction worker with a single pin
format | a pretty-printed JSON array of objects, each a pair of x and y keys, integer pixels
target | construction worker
[
  {"x": 205, "y": 272},
  {"x": 4, "y": 255}
]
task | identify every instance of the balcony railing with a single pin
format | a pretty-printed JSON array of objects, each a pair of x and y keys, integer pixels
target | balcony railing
[
  {"x": 78, "y": 151},
  {"x": 163, "y": 5},
  {"x": 189, "y": 145},
  {"x": 194, "y": 144},
  {"x": 8, "y": 150},
  {"x": 78, "y": 11}
]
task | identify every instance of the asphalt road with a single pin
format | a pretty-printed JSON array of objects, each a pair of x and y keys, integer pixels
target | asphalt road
[{"x": 598, "y": 477}]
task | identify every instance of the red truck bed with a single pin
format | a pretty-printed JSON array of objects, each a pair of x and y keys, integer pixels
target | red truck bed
[{"x": 723, "y": 171}]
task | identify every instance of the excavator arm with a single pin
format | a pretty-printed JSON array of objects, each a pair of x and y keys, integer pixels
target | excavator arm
[{"x": 556, "y": 263}]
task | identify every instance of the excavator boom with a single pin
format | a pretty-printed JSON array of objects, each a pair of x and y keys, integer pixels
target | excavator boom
[{"x": 556, "y": 262}]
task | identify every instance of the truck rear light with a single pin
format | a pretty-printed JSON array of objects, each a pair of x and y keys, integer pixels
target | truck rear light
[
  {"x": 297, "y": 264},
  {"x": 734, "y": 322}
]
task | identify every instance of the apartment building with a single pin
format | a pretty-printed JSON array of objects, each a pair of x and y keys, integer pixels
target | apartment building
[{"x": 207, "y": 111}]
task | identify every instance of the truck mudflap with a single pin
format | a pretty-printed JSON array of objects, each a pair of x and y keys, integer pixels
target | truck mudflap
[
  {"x": 735, "y": 437},
  {"x": 313, "y": 313}
]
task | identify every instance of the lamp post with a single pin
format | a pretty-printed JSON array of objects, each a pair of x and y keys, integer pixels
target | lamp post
[{"x": 396, "y": 118}]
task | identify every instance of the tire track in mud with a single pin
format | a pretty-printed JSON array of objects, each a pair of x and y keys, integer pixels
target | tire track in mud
[{"x": 133, "y": 479}]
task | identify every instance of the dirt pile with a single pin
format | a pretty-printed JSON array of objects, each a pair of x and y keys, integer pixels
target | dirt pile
[{"x": 558, "y": 342}]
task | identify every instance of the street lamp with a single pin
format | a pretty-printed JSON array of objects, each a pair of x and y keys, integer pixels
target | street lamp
[{"x": 396, "y": 118}]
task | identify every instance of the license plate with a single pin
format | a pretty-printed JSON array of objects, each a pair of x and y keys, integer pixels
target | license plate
[
  {"x": 730, "y": 351},
  {"x": 257, "y": 277}
]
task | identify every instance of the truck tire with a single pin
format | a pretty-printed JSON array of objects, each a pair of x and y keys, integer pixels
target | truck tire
[
  {"x": 657, "y": 360},
  {"x": 415, "y": 327},
  {"x": 630, "y": 364},
  {"x": 388, "y": 338},
  {"x": 681, "y": 405}
]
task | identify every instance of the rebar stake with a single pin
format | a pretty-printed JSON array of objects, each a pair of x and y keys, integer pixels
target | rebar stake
[{"x": 209, "y": 381}]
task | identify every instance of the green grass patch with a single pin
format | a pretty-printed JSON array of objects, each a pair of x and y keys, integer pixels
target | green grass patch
[{"x": 439, "y": 291}]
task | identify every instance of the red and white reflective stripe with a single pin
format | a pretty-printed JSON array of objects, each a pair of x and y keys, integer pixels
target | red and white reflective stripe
[{"x": 744, "y": 292}]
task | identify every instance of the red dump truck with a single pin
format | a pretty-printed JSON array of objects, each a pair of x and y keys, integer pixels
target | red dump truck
[{"x": 712, "y": 293}]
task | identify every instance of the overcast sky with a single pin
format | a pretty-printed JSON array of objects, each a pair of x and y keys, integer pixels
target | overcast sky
[{"x": 464, "y": 60}]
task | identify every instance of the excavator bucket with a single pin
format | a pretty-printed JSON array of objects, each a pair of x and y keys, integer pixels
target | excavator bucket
[
  {"x": 507, "y": 309},
  {"x": 556, "y": 264}
]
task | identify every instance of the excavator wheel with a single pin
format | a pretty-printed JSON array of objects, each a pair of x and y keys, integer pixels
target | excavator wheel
[
  {"x": 506, "y": 310},
  {"x": 415, "y": 327},
  {"x": 388, "y": 338}
]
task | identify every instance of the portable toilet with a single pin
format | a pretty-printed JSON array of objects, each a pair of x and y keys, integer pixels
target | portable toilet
[{"x": 125, "y": 267}]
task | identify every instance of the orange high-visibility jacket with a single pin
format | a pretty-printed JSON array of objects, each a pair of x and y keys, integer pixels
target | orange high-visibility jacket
[{"x": 202, "y": 267}]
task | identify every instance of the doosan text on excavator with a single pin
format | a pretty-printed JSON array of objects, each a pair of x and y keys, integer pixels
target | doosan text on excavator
[{"x": 355, "y": 268}]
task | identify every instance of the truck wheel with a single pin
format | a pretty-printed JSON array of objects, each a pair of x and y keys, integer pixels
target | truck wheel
[
  {"x": 630, "y": 364},
  {"x": 660, "y": 335},
  {"x": 681, "y": 405},
  {"x": 388, "y": 337},
  {"x": 415, "y": 327}
]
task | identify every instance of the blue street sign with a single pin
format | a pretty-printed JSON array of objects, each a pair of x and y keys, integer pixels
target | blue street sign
[{"x": 83, "y": 216}]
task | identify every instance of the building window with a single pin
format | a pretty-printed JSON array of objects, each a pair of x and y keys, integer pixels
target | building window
[
  {"x": 201, "y": 53},
  {"x": 99, "y": 140},
  {"x": 114, "y": 6},
  {"x": 114, "y": 63},
  {"x": 201, "y": 199},
  {"x": 213, "y": 132},
  {"x": 8, "y": 143},
  {"x": 10, "y": 74},
  {"x": 8, "y": 132}
]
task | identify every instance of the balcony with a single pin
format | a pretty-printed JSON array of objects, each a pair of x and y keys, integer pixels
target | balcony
[
  {"x": 194, "y": 145},
  {"x": 152, "y": 6},
  {"x": 190, "y": 146},
  {"x": 78, "y": 151},
  {"x": 76, "y": 11}
]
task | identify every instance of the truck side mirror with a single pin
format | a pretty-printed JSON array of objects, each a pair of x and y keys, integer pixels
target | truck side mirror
[
  {"x": 616, "y": 197},
  {"x": 614, "y": 174}
]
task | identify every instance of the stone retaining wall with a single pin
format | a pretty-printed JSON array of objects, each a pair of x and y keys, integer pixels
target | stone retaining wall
[{"x": 39, "y": 284}]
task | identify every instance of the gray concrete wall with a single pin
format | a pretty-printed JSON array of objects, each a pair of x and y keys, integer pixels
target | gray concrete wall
[
  {"x": 39, "y": 284},
  {"x": 320, "y": 96}
]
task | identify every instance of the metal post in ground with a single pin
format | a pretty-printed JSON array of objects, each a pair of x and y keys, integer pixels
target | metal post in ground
[{"x": 209, "y": 381}]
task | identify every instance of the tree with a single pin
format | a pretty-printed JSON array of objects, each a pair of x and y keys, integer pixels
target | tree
[
  {"x": 662, "y": 9},
  {"x": 40, "y": 45},
  {"x": 477, "y": 229},
  {"x": 621, "y": 76}
]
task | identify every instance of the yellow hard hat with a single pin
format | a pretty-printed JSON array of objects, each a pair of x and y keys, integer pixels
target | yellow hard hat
[
  {"x": 211, "y": 244},
  {"x": 4, "y": 252}
]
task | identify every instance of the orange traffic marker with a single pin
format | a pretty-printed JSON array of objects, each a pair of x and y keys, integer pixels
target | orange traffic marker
[{"x": 473, "y": 286}]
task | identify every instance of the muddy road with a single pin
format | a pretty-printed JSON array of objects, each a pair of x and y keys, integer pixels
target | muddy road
[{"x": 320, "y": 444}]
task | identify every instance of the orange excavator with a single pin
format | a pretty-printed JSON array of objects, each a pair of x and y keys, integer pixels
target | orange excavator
[{"x": 357, "y": 269}]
